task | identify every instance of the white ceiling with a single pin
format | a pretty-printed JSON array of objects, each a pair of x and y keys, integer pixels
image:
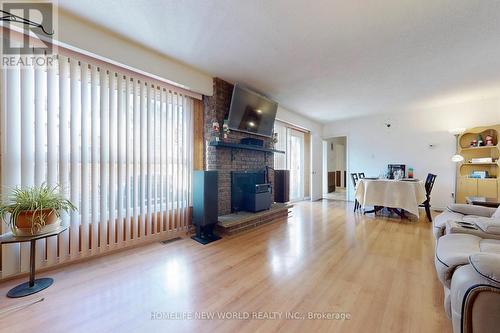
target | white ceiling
[{"x": 325, "y": 59}]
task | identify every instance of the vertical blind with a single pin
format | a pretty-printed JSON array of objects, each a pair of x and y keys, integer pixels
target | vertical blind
[{"x": 119, "y": 147}]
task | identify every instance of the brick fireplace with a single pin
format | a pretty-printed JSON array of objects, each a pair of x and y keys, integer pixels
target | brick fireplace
[{"x": 225, "y": 160}]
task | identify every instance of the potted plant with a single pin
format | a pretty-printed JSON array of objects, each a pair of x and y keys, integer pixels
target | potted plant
[{"x": 34, "y": 210}]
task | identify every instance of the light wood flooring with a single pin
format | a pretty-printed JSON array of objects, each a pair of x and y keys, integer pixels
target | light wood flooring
[{"x": 324, "y": 259}]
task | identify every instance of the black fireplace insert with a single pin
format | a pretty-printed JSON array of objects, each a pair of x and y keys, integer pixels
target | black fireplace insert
[{"x": 250, "y": 191}]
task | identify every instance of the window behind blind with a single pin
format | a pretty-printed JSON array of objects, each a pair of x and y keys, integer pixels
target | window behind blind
[{"x": 119, "y": 146}]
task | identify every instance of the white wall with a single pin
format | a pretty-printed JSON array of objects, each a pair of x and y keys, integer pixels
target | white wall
[
  {"x": 298, "y": 120},
  {"x": 85, "y": 36},
  {"x": 372, "y": 145}
]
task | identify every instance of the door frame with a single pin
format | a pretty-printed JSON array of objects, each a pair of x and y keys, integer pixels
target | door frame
[{"x": 347, "y": 166}]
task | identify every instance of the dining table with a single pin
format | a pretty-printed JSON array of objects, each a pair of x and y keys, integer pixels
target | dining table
[{"x": 404, "y": 194}]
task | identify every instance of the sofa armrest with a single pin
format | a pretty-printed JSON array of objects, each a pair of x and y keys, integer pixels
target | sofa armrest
[
  {"x": 473, "y": 296},
  {"x": 487, "y": 265},
  {"x": 474, "y": 293},
  {"x": 472, "y": 210}
]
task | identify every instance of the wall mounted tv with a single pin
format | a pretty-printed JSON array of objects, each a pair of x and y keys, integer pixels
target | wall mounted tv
[{"x": 251, "y": 112}]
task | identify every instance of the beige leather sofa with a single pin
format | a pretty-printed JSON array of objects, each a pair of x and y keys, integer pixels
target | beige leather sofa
[
  {"x": 461, "y": 212},
  {"x": 468, "y": 266},
  {"x": 475, "y": 295}
]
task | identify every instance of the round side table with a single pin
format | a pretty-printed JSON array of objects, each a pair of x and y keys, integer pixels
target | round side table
[{"x": 33, "y": 285}]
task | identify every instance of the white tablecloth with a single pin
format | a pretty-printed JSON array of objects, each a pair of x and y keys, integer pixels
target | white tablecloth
[{"x": 405, "y": 195}]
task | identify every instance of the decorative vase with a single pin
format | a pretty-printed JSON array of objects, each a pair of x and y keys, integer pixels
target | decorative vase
[
  {"x": 274, "y": 140},
  {"x": 215, "y": 131},
  {"x": 225, "y": 131},
  {"x": 479, "y": 140},
  {"x": 30, "y": 223}
]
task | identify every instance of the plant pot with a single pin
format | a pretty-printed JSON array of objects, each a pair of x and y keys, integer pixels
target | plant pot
[{"x": 30, "y": 223}]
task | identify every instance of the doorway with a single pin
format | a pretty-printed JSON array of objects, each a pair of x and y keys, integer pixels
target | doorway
[{"x": 335, "y": 168}]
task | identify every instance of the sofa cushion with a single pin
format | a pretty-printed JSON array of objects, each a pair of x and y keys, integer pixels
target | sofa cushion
[
  {"x": 496, "y": 214},
  {"x": 490, "y": 226},
  {"x": 490, "y": 246},
  {"x": 452, "y": 251}
]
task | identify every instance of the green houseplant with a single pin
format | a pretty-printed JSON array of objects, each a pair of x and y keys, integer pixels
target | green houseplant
[{"x": 34, "y": 210}]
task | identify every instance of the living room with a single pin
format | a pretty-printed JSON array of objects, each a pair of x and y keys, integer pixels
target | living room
[{"x": 249, "y": 166}]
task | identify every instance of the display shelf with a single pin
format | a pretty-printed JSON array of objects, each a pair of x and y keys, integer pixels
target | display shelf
[
  {"x": 483, "y": 163},
  {"x": 472, "y": 134},
  {"x": 480, "y": 148}
]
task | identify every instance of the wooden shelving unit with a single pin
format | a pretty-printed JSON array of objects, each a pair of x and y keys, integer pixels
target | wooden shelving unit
[
  {"x": 487, "y": 187},
  {"x": 481, "y": 163},
  {"x": 479, "y": 148}
]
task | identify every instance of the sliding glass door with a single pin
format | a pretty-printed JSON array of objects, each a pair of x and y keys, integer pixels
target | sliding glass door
[{"x": 291, "y": 141}]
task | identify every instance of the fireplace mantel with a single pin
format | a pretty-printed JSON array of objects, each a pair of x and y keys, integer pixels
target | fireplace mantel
[{"x": 222, "y": 144}]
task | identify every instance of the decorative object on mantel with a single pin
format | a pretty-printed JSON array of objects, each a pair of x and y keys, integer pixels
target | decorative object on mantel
[
  {"x": 225, "y": 130},
  {"x": 34, "y": 210},
  {"x": 274, "y": 140},
  {"x": 215, "y": 130}
]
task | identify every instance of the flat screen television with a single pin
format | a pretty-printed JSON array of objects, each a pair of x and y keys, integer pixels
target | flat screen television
[{"x": 251, "y": 112}]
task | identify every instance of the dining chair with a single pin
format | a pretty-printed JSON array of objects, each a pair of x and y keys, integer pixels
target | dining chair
[
  {"x": 361, "y": 175},
  {"x": 429, "y": 184},
  {"x": 355, "y": 179}
]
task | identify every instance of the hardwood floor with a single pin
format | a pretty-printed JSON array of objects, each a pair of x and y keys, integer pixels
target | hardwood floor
[{"x": 324, "y": 259}]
